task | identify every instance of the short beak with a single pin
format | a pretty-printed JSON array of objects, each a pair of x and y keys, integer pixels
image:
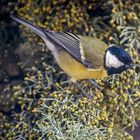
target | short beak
[{"x": 129, "y": 66}]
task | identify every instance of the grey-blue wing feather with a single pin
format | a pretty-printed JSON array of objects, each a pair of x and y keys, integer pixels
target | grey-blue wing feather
[
  {"x": 70, "y": 43},
  {"x": 66, "y": 41}
]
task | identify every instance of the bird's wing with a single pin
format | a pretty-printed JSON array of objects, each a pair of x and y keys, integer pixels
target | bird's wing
[
  {"x": 94, "y": 50},
  {"x": 70, "y": 43},
  {"x": 87, "y": 50}
]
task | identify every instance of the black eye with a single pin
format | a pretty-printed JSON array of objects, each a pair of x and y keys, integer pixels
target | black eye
[
  {"x": 122, "y": 59},
  {"x": 125, "y": 58}
]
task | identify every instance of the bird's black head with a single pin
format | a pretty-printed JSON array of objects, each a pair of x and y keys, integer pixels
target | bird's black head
[{"x": 116, "y": 60}]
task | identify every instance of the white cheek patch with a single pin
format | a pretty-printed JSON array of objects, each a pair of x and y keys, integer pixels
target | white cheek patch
[{"x": 112, "y": 61}]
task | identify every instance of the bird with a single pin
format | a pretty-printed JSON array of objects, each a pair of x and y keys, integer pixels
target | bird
[{"x": 81, "y": 57}]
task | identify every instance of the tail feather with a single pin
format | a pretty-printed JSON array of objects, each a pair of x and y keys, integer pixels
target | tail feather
[
  {"x": 34, "y": 28},
  {"x": 46, "y": 35}
]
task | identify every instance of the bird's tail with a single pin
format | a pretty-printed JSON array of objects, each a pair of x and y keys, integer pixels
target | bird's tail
[{"x": 34, "y": 28}]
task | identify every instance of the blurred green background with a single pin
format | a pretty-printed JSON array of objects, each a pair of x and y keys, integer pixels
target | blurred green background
[{"x": 36, "y": 102}]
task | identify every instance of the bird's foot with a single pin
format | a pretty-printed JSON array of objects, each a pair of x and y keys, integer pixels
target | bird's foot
[
  {"x": 83, "y": 93},
  {"x": 95, "y": 84}
]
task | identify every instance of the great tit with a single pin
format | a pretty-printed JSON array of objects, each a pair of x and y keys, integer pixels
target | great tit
[{"x": 81, "y": 57}]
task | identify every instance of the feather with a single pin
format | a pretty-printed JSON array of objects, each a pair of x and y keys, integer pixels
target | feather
[
  {"x": 70, "y": 43},
  {"x": 82, "y": 50},
  {"x": 34, "y": 28}
]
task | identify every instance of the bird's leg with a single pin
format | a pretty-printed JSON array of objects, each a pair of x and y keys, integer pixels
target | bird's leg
[
  {"x": 83, "y": 92},
  {"x": 69, "y": 81},
  {"x": 78, "y": 87},
  {"x": 93, "y": 82}
]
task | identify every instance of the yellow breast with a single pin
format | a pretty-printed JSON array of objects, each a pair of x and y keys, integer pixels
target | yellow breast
[{"x": 75, "y": 69}]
